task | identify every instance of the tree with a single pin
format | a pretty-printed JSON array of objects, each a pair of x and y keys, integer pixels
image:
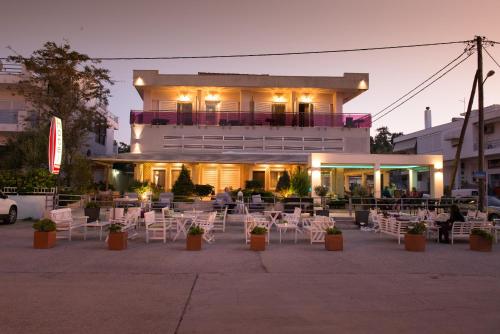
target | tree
[
  {"x": 283, "y": 184},
  {"x": 300, "y": 183},
  {"x": 383, "y": 143},
  {"x": 64, "y": 83},
  {"x": 184, "y": 185}
]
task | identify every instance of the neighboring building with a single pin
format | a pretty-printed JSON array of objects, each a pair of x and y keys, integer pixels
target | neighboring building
[
  {"x": 230, "y": 128},
  {"x": 443, "y": 139},
  {"x": 15, "y": 117}
]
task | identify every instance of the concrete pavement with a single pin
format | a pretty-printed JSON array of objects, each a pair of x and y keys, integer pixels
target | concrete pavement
[{"x": 373, "y": 286}]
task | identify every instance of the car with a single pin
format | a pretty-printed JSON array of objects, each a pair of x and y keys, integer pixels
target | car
[
  {"x": 493, "y": 208},
  {"x": 8, "y": 209}
]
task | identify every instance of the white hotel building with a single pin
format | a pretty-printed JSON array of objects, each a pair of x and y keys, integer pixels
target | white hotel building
[{"x": 229, "y": 128}]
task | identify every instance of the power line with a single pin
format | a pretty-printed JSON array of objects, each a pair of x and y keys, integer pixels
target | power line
[
  {"x": 246, "y": 55},
  {"x": 491, "y": 57},
  {"x": 422, "y": 83},
  {"x": 409, "y": 98}
]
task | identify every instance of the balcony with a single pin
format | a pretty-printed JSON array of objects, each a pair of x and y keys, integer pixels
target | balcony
[{"x": 248, "y": 118}]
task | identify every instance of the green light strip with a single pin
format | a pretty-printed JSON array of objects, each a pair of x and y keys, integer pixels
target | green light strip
[
  {"x": 398, "y": 166},
  {"x": 348, "y": 166}
]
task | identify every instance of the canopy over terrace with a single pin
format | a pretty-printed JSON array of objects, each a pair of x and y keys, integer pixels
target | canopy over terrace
[
  {"x": 339, "y": 171},
  {"x": 221, "y": 170}
]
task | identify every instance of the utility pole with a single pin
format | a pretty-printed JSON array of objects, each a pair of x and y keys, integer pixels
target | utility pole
[
  {"x": 480, "y": 158},
  {"x": 462, "y": 133}
]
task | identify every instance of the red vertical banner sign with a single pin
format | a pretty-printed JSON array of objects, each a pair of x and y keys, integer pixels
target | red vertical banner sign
[{"x": 55, "y": 145}]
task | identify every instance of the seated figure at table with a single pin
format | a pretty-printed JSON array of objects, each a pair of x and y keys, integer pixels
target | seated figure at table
[{"x": 455, "y": 216}]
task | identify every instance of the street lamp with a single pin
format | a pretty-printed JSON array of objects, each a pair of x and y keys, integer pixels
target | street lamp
[{"x": 489, "y": 74}]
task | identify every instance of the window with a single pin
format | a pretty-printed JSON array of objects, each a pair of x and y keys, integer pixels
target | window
[
  {"x": 100, "y": 129},
  {"x": 184, "y": 113},
  {"x": 275, "y": 176},
  {"x": 211, "y": 112},
  {"x": 159, "y": 178},
  {"x": 278, "y": 117},
  {"x": 489, "y": 128},
  {"x": 259, "y": 175},
  {"x": 229, "y": 178},
  {"x": 306, "y": 115}
]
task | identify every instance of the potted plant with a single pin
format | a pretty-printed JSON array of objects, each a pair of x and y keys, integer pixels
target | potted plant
[
  {"x": 333, "y": 239},
  {"x": 117, "y": 240},
  {"x": 415, "y": 238},
  {"x": 480, "y": 240},
  {"x": 258, "y": 238},
  {"x": 92, "y": 210},
  {"x": 45, "y": 234},
  {"x": 193, "y": 239}
]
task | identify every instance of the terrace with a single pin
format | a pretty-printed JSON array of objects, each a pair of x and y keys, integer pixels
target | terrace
[
  {"x": 372, "y": 286},
  {"x": 248, "y": 118}
]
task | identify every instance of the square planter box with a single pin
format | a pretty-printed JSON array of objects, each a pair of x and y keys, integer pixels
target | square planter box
[
  {"x": 193, "y": 242},
  {"x": 258, "y": 242},
  {"x": 117, "y": 240},
  {"x": 415, "y": 242},
  {"x": 334, "y": 242},
  {"x": 44, "y": 240},
  {"x": 478, "y": 243}
]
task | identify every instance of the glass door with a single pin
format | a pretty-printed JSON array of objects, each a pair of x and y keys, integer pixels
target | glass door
[
  {"x": 306, "y": 115},
  {"x": 184, "y": 113}
]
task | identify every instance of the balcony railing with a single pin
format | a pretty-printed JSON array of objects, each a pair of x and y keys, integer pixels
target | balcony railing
[{"x": 246, "y": 118}]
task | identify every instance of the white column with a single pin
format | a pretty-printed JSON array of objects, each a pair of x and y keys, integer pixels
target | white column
[
  {"x": 436, "y": 182},
  {"x": 377, "y": 184},
  {"x": 315, "y": 179},
  {"x": 412, "y": 179}
]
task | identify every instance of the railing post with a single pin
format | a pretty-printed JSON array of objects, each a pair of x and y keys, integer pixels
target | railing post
[{"x": 350, "y": 206}]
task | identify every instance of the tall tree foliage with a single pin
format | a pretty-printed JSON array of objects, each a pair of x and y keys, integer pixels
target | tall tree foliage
[
  {"x": 300, "y": 183},
  {"x": 383, "y": 142},
  {"x": 67, "y": 84},
  {"x": 184, "y": 185}
]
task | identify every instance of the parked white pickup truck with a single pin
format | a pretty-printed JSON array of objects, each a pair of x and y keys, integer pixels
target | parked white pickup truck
[{"x": 8, "y": 209}]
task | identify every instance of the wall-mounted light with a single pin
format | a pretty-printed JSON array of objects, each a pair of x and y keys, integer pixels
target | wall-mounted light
[
  {"x": 438, "y": 165},
  {"x": 184, "y": 98},
  {"x": 306, "y": 98},
  {"x": 279, "y": 98},
  {"x": 139, "y": 82},
  {"x": 212, "y": 97},
  {"x": 362, "y": 85}
]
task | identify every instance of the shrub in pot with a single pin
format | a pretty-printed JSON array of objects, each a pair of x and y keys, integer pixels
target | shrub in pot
[
  {"x": 45, "y": 234},
  {"x": 415, "y": 238},
  {"x": 117, "y": 239},
  {"x": 258, "y": 238},
  {"x": 193, "y": 239},
  {"x": 480, "y": 240},
  {"x": 333, "y": 239},
  {"x": 92, "y": 210}
]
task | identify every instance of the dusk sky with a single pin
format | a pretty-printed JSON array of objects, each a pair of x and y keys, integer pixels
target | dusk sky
[{"x": 170, "y": 28}]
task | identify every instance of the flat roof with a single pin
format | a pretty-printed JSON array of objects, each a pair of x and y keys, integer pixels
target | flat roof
[
  {"x": 352, "y": 84},
  {"x": 229, "y": 157}
]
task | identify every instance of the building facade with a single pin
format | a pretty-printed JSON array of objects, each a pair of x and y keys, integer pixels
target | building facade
[
  {"x": 15, "y": 115},
  {"x": 443, "y": 139},
  {"x": 229, "y": 128}
]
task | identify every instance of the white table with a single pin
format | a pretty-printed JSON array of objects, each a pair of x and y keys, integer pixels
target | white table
[
  {"x": 100, "y": 225},
  {"x": 286, "y": 227},
  {"x": 182, "y": 221},
  {"x": 273, "y": 215}
]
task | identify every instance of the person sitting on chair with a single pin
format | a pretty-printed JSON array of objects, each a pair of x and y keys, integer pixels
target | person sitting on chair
[{"x": 445, "y": 227}]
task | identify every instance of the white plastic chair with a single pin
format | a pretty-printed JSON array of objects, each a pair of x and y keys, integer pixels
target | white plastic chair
[
  {"x": 207, "y": 224},
  {"x": 156, "y": 228}
]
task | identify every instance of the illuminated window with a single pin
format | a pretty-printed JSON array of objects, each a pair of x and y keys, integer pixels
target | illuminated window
[
  {"x": 159, "y": 178},
  {"x": 275, "y": 176}
]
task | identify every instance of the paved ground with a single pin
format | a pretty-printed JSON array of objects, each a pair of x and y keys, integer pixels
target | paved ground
[{"x": 374, "y": 286}]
